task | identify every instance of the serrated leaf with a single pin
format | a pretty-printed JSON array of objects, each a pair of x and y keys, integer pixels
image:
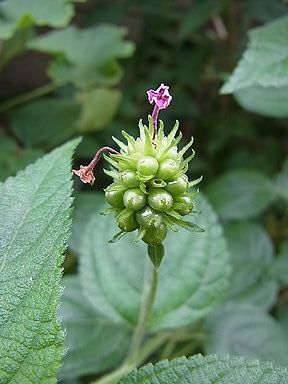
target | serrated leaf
[
  {"x": 260, "y": 80},
  {"x": 113, "y": 274},
  {"x": 94, "y": 344},
  {"x": 241, "y": 194},
  {"x": 35, "y": 212},
  {"x": 78, "y": 61},
  {"x": 244, "y": 330},
  {"x": 267, "y": 101},
  {"x": 45, "y": 123},
  {"x": 16, "y": 14},
  {"x": 264, "y": 63},
  {"x": 251, "y": 254},
  {"x": 98, "y": 108},
  {"x": 208, "y": 370}
]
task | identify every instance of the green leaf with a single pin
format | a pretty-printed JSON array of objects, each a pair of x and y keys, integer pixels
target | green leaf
[
  {"x": 78, "y": 61},
  {"x": 207, "y": 370},
  {"x": 13, "y": 158},
  {"x": 282, "y": 181},
  {"x": 94, "y": 344},
  {"x": 156, "y": 254},
  {"x": 260, "y": 81},
  {"x": 16, "y": 14},
  {"x": 252, "y": 254},
  {"x": 241, "y": 194},
  {"x": 45, "y": 123},
  {"x": 35, "y": 210},
  {"x": 244, "y": 330},
  {"x": 264, "y": 63},
  {"x": 267, "y": 101},
  {"x": 279, "y": 269},
  {"x": 112, "y": 275},
  {"x": 98, "y": 108}
]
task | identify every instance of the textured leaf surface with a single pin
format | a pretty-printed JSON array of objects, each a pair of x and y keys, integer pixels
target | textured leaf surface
[
  {"x": 80, "y": 62},
  {"x": 207, "y": 370},
  {"x": 244, "y": 330},
  {"x": 35, "y": 212},
  {"x": 15, "y": 14},
  {"x": 113, "y": 274},
  {"x": 252, "y": 254},
  {"x": 94, "y": 344},
  {"x": 265, "y": 62},
  {"x": 241, "y": 194}
]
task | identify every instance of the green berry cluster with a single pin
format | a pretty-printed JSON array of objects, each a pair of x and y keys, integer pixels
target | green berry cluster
[{"x": 150, "y": 192}]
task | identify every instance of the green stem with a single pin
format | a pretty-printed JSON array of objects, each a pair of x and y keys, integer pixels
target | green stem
[
  {"x": 41, "y": 91},
  {"x": 144, "y": 313},
  {"x": 134, "y": 358}
]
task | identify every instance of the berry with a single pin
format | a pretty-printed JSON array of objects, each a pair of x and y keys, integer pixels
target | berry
[
  {"x": 129, "y": 179},
  {"x": 154, "y": 236},
  {"x": 178, "y": 186},
  {"x": 160, "y": 200},
  {"x": 134, "y": 199},
  {"x": 167, "y": 169},
  {"x": 147, "y": 217},
  {"x": 128, "y": 224},
  {"x": 183, "y": 204},
  {"x": 114, "y": 195},
  {"x": 147, "y": 166}
]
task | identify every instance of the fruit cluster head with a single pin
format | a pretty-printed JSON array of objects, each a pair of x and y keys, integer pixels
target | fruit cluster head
[{"x": 150, "y": 192}]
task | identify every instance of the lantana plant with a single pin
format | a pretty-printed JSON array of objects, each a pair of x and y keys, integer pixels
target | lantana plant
[{"x": 150, "y": 189}]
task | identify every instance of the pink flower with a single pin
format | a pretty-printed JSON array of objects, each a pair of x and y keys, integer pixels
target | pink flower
[
  {"x": 160, "y": 97},
  {"x": 86, "y": 174}
]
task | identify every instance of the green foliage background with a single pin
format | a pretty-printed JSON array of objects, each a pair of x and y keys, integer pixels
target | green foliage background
[{"x": 83, "y": 68}]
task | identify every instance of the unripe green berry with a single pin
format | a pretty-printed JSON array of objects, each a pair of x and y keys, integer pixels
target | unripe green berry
[
  {"x": 184, "y": 204},
  {"x": 114, "y": 195},
  {"x": 134, "y": 199},
  {"x": 178, "y": 186},
  {"x": 155, "y": 236},
  {"x": 160, "y": 200},
  {"x": 167, "y": 169},
  {"x": 147, "y": 166},
  {"x": 129, "y": 179},
  {"x": 128, "y": 224},
  {"x": 147, "y": 217}
]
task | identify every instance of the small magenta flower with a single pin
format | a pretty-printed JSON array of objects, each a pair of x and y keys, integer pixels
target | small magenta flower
[{"x": 162, "y": 98}]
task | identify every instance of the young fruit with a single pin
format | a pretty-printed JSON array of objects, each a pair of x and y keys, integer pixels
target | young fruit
[
  {"x": 154, "y": 236},
  {"x": 178, "y": 186},
  {"x": 160, "y": 200},
  {"x": 128, "y": 223},
  {"x": 134, "y": 199},
  {"x": 184, "y": 204},
  {"x": 167, "y": 169},
  {"x": 114, "y": 195},
  {"x": 129, "y": 179},
  {"x": 147, "y": 166},
  {"x": 147, "y": 217}
]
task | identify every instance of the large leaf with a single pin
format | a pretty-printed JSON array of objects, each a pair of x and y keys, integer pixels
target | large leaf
[
  {"x": 241, "y": 194},
  {"x": 260, "y": 80},
  {"x": 251, "y": 253},
  {"x": 35, "y": 217},
  {"x": 99, "y": 107},
  {"x": 244, "y": 330},
  {"x": 16, "y": 14},
  {"x": 45, "y": 123},
  {"x": 80, "y": 62},
  {"x": 94, "y": 344},
  {"x": 208, "y": 370},
  {"x": 113, "y": 274},
  {"x": 265, "y": 62},
  {"x": 279, "y": 270},
  {"x": 282, "y": 181}
]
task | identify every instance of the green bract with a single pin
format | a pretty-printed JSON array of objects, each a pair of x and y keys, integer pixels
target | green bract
[{"x": 150, "y": 191}]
